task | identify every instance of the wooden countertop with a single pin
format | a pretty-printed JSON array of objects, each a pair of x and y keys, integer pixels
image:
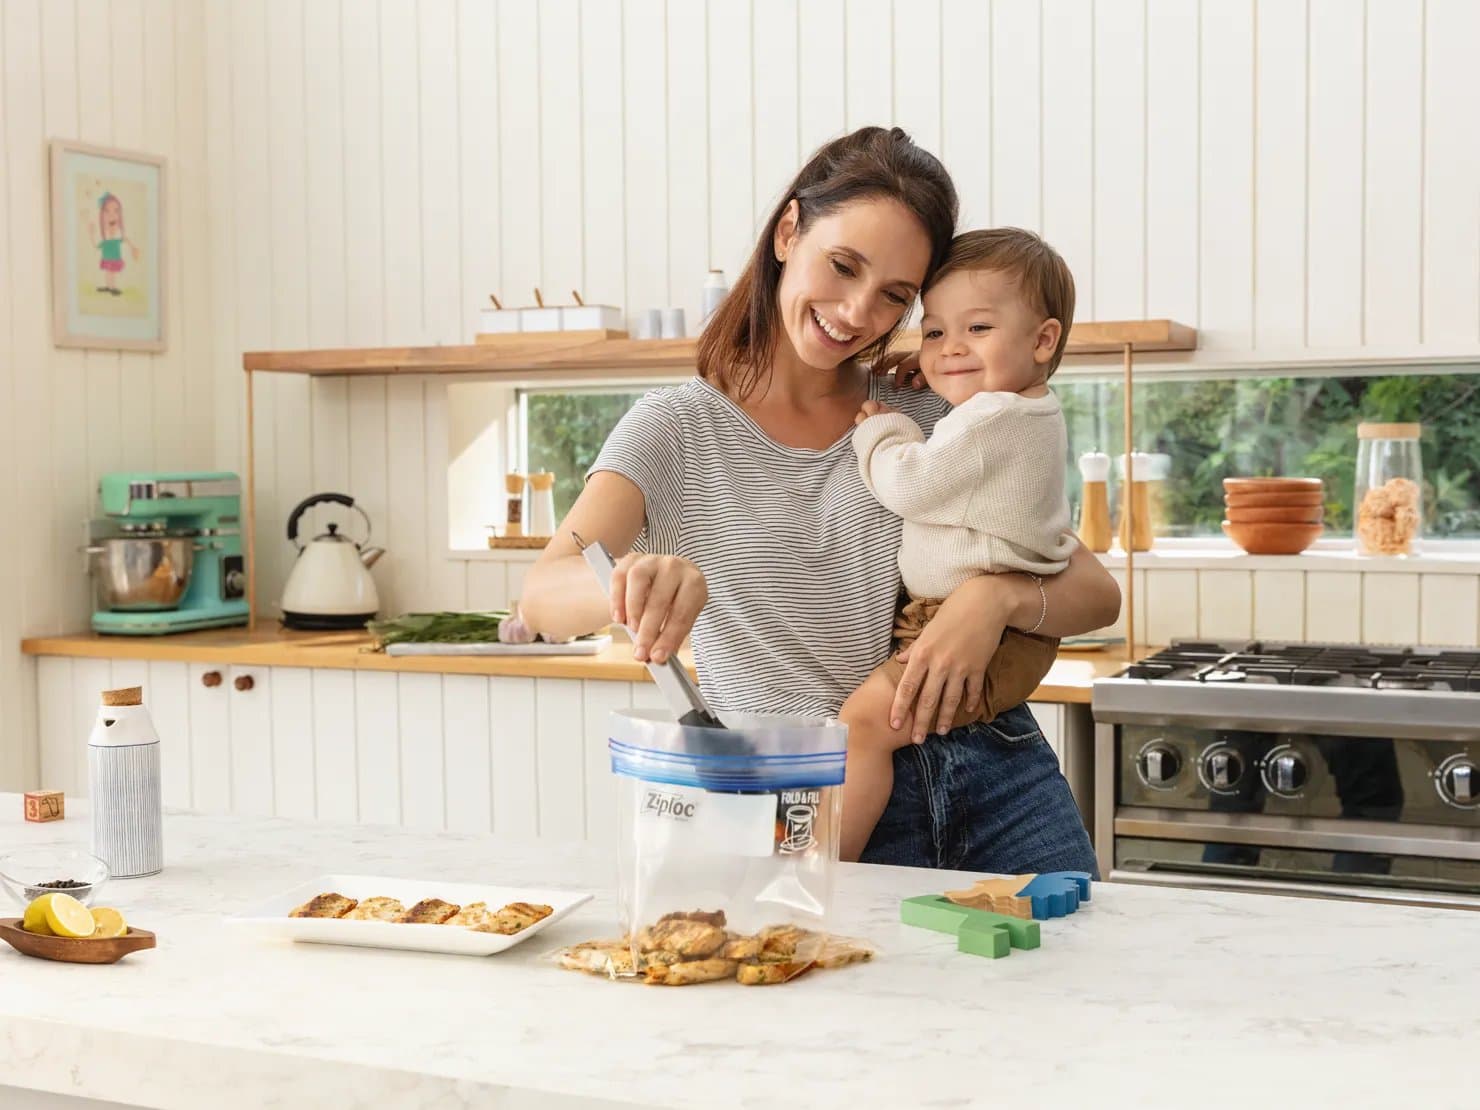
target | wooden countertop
[{"x": 1069, "y": 681}]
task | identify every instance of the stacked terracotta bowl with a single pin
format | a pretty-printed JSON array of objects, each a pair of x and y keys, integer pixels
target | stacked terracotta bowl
[{"x": 1274, "y": 516}]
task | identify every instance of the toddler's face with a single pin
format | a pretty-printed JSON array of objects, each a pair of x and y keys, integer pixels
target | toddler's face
[{"x": 980, "y": 335}]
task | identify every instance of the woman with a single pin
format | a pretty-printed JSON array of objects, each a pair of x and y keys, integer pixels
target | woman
[{"x": 736, "y": 503}]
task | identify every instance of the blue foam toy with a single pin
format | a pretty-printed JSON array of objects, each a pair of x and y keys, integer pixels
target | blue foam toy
[{"x": 1056, "y": 893}]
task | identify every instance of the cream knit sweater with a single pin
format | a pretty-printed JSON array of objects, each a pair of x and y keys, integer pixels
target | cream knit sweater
[{"x": 985, "y": 494}]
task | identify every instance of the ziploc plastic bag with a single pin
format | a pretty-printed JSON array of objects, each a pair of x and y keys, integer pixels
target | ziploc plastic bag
[{"x": 729, "y": 843}]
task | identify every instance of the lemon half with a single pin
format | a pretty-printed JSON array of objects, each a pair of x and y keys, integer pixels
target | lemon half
[
  {"x": 67, "y": 917},
  {"x": 108, "y": 923},
  {"x": 34, "y": 920}
]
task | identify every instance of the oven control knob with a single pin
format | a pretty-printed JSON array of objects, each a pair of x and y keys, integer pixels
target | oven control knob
[
  {"x": 1158, "y": 764},
  {"x": 1285, "y": 772},
  {"x": 1459, "y": 782},
  {"x": 1222, "y": 769}
]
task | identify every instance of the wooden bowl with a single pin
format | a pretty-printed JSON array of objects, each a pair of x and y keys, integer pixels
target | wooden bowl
[
  {"x": 68, "y": 950},
  {"x": 1272, "y": 539},
  {"x": 1276, "y": 514},
  {"x": 1276, "y": 499},
  {"x": 1272, "y": 485}
]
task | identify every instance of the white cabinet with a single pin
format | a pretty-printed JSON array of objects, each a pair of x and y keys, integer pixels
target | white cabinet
[{"x": 521, "y": 757}]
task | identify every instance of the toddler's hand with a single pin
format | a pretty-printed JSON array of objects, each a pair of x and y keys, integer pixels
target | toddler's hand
[{"x": 871, "y": 408}]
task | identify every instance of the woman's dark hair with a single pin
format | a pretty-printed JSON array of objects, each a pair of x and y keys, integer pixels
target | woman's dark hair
[{"x": 738, "y": 342}]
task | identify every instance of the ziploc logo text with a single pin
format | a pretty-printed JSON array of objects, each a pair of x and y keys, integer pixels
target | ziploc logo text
[{"x": 661, "y": 803}]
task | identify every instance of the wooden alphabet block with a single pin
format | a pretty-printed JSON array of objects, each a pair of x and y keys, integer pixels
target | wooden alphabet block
[{"x": 45, "y": 805}]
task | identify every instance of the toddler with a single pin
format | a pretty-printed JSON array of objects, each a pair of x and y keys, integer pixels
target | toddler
[{"x": 984, "y": 495}]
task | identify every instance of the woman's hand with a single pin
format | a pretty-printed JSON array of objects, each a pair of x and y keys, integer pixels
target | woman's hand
[
  {"x": 658, "y": 597},
  {"x": 903, "y": 369},
  {"x": 945, "y": 667},
  {"x": 871, "y": 408}
]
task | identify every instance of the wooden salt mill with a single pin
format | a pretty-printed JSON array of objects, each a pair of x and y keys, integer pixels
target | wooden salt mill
[{"x": 1094, "y": 506}]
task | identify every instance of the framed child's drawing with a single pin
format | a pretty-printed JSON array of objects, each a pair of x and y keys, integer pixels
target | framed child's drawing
[{"x": 107, "y": 248}]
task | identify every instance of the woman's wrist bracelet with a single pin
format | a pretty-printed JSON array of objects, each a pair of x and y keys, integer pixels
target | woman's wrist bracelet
[{"x": 1043, "y": 598}]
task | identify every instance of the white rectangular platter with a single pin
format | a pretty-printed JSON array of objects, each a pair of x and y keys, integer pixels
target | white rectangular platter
[{"x": 270, "y": 917}]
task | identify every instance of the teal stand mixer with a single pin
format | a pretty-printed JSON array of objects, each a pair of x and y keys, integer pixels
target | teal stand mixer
[{"x": 166, "y": 553}]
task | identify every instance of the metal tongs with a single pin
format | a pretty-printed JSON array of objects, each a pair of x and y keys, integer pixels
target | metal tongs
[{"x": 678, "y": 690}]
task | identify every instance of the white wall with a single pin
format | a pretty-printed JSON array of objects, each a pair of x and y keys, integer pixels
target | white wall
[{"x": 124, "y": 73}]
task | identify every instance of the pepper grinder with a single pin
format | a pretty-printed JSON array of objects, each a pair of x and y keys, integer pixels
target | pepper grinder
[
  {"x": 514, "y": 515},
  {"x": 123, "y": 783},
  {"x": 1094, "y": 507}
]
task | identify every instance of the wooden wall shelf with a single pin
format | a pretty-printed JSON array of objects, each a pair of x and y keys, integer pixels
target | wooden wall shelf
[{"x": 1089, "y": 338}]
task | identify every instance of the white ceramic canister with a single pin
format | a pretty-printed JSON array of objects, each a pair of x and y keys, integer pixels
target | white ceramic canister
[
  {"x": 123, "y": 782},
  {"x": 715, "y": 291}
]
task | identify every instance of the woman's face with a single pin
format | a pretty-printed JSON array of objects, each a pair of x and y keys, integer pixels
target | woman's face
[{"x": 849, "y": 277}]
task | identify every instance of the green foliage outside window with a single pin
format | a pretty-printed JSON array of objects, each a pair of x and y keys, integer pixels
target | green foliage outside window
[{"x": 566, "y": 430}]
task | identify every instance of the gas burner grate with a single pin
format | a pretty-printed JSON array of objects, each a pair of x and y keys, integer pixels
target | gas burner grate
[{"x": 1338, "y": 665}]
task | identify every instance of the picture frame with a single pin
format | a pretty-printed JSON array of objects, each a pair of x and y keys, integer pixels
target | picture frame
[{"x": 108, "y": 247}]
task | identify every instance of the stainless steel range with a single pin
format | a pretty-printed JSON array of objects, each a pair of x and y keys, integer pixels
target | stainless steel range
[{"x": 1320, "y": 769}]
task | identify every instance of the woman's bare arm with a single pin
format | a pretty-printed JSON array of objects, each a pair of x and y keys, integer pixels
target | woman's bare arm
[{"x": 1082, "y": 598}]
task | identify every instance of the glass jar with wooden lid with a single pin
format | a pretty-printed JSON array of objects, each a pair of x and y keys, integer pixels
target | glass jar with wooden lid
[{"x": 1388, "y": 500}]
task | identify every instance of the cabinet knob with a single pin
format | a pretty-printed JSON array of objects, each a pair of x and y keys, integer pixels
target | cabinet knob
[
  {"x": 211, "y": 678},
  {"x": 244, "y": 682}
]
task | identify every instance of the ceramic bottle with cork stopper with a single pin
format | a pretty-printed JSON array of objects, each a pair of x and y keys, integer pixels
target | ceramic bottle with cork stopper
[
  {"x": 542, "y": 503},
  {"x": 1094, "y": 505},
  {"x": 124, "y": 786}
]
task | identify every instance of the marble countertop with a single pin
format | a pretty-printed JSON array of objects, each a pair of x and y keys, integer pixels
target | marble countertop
[{"x": 1148, "y": 997}]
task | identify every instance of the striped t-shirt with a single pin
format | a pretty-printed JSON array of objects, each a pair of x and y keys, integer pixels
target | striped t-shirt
[{"x": 801, "y": 561}]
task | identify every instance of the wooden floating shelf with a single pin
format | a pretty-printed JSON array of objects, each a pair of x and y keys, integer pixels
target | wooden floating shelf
[{"x": 581, "y": 353}]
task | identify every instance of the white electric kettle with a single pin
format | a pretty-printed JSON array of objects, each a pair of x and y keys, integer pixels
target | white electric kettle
[{"x": 330, "y": 585}]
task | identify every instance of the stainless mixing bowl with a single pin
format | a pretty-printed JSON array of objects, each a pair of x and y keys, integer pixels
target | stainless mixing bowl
[{"x": 136, "y": 574}]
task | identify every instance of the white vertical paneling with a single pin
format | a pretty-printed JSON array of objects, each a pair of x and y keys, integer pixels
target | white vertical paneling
[
  {"x": 513, "y": 724},
  {"x": 603, "y": 153},
  {"x": 210, "y": 739},
  {"x": 519, "y": 184},
  {"x": 1279, "y": 604},
  {"x": 131, "y": 672},
  {"x": 1068, "y": 133},
  {"x": 1333, "y": 607},
  {"x": 252, "y": 785},
  {"x": 377, "y": 747},
  {"x": 598, "y": 700},
  {"x": 1173, "y": 126},
  {"x": 822, "y": 90},
  {"x": 438, "y": 129},
  {"x": 90, "y": 677},
  {"x": 197, "y": 227},
  {"x": 1279, "y": 174},
  {"x": 335, "y": 756},
  {"x": 291, "y": 703},
  {"x": 1120, "y": 162},
  {"x": 15, "y": 41},
  {"x": 775, "y": 76},
  {"x": 1017, "y": 123},
  {"x": 1225, "y": 604},
  {"x": 869, "y": 68},
  {"x": 447, "y": 578},
  {"x": 169, "y": 429},
  {"x": 1451, "y": 173},
  {"x": 646, "y": 695},
  {"x": 645, "y": 155},
  {"x": 1335, "y": 168},
  {"x": 324, "y": 196},
  {"x": 916, "y": 64},
  {"x": 400, "y": 167},
  {"x": 1449, "y": 609},
  {"x": 1393, "y": 230},
  {"x": 330, "y": 428},
  {"x": 136, "y": 374},
  {"x": 169, "y": 709},
  {"x": 561, "y": 261},
  {"x": 1389, "y": 609},
  {"x": 488, "y": 584},
  {"x": 561, "y": 759},
  {"x": 1226, "y": 250},
  {"x": 478, "y": 147},
  {"x": 1171, "y": 606},
  {"x": 423, "y": 759},
  {"x": 407, "y": 540},
  {"x": 360, "y": 99},
  {"x": 688, "y": 158},
  {"x": 369, "y": 466},
  {"x": 228, "y": 413},
  {"x": 466, "y": 729},
  {"x": 731, "y": 147},
  {"x": 57, "y": 728}
]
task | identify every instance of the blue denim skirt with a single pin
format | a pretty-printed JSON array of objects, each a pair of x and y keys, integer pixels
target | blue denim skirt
[{"x": 983, "y": 797}]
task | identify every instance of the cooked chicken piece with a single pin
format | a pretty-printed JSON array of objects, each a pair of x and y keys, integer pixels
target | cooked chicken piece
[
  {"x": 689, "y": 972},
  {"x": 376, "y": 909},
  {"x": 840, "y": 953},
  {"x": 754, "y": 973},
  {"x": 515, "y": 918},
  {"x": 693, "y": 940},
  {"x": 473, "y": 915},
  {"x": 429, "y": 911},
  {"x": 708, "y": 917},
  {"x": 325, "y": 905},
  {"x": 738, "y": 947},
  {"x": 600, "y": 957},
  {"x": 782, "y": 940}
]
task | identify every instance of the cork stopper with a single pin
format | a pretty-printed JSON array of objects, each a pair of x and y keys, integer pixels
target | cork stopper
[
  {"x": 129, "y": 695},
  {"x": 542, "y": 480},
  {"x": 514, "y": 483}
]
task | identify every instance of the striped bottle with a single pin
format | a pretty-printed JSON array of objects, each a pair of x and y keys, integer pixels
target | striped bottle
[{"x": 123, "y": 777}]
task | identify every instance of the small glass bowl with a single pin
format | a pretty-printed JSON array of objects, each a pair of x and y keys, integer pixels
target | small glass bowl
[{"x": 24, "y": 872}]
